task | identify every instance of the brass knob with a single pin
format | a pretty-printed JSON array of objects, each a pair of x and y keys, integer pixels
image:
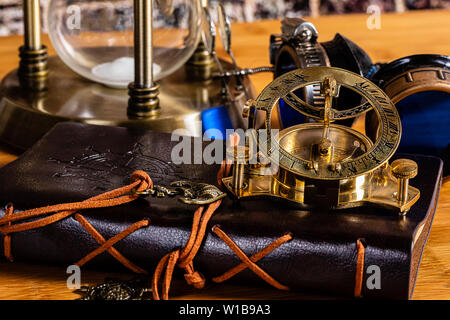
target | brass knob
[
  {"x": 403, "y": 170},
  {"x": 325, "y": 147}
]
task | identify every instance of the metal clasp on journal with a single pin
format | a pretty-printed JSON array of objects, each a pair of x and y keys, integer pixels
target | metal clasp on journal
[{"x": 195, "y": 193}]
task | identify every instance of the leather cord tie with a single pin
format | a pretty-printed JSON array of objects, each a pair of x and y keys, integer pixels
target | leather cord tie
[
  {"x": 250, "y": 262},
  {"x": 359, "y": 274},
  {"x": 183, "y": 258},
  {"x": 139, "y": 181},
  {"x": 7, "y": 238},
  {"x": 107, "y": 245}
]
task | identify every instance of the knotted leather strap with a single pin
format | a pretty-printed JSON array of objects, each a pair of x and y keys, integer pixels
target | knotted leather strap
[
  {"x": 250, "y": 262},
  {"x": 184, "y": 258},
  {"x": 108, "y": 245},
  {"x": 7, "y": 238},
  {"x": 139, "y": 181},
  {"x": 360, "y": 253}
]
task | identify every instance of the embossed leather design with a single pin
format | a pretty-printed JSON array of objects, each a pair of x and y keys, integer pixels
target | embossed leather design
[{"x": 76, "y": 161}]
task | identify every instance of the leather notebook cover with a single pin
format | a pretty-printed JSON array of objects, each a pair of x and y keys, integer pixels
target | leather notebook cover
[{"x": 76, "y": 161}]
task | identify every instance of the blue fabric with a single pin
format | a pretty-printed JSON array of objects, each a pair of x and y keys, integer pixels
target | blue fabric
[
  {"x": 425, "y": 122},
  {"x": 289, "y": 116},
  {"x": 216, "y": 118}
]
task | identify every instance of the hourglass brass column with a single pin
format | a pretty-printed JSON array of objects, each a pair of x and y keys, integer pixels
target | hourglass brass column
[
  {"x": 201, "y": 64},
  {"x": 33, "y": 69},
  {"x": 143, "y": 92}
]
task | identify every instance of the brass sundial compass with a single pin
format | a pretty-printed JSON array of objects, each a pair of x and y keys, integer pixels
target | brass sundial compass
[{"x": 321, "y": 163}]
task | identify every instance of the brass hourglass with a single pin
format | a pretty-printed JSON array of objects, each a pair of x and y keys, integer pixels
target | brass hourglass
[{"x": 132, "y": 63}]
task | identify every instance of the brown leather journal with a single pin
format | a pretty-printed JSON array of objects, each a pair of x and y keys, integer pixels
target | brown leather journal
[{"x": 74, "y": 162}]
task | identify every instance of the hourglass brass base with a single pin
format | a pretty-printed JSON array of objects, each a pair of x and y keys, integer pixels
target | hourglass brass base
[{"x": 26, "y": 115}]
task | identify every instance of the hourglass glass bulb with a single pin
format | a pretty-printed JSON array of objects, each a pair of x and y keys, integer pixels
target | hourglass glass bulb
[{"x": 95, "y": 37}]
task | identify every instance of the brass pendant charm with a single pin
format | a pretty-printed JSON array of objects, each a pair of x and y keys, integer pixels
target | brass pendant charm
[
  {"x": 195, "y": 193},
  {"x": 321, "y": 163},
  {"x": 115, "y": 289}
]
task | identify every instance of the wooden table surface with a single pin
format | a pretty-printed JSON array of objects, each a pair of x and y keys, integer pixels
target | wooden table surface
[{"x": 400, "y": 35}]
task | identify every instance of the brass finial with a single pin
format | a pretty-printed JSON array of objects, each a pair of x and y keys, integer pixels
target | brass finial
[
  {"x": 143, "y": 92},
  {"x": 33, "y": 69}
]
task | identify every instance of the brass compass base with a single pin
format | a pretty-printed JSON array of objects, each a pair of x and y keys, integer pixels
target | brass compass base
[
  {"x": 308, "y": 194},
  {"x": 26, "y": 115}
]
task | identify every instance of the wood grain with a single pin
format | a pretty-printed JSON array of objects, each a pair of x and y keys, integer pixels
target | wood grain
[{"x": 400, "y": 35}]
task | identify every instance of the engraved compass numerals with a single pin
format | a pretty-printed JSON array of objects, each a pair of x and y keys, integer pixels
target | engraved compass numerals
[{"x": 321, "y": 161}]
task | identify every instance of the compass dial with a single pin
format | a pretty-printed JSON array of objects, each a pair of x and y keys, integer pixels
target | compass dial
[{"x": 366, "y": 159}]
